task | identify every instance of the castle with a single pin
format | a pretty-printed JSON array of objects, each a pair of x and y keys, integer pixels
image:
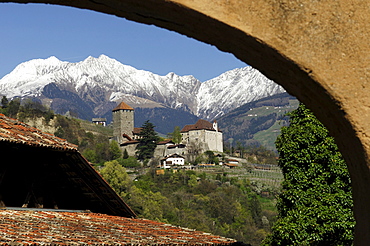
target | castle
[
  {"x": 196, "y": 139},
  {"x": 205, "y": 134}
]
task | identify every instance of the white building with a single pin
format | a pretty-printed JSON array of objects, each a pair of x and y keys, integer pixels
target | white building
[
  {"x": 205, "y": 134},
  {"x": 172, "y": 160}
]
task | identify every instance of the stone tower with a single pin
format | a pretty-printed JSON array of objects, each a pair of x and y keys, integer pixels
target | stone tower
[{"x": 123, "y": 122}]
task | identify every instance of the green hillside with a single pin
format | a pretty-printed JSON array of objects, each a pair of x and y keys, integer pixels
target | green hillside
[{"x": 258, "y": 122}]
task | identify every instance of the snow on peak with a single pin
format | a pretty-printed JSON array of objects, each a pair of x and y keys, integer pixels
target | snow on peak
[
  {"x": 104, "y": 79},
  {"x": 233, "y": 89},
  {"x": 52, "y": 60}
]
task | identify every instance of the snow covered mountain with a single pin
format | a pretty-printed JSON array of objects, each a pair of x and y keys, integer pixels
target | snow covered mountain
[
  {"x": 94, "y": 86},
  {"x": 233, "y": 89}
]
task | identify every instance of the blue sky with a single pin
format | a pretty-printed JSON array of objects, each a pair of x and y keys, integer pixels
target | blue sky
[{"x": 30, "y": 31}]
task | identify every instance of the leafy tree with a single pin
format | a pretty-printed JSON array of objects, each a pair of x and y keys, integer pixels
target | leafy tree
[
  {"x": 90, "y": 155},
  {"x": 117, "y": 177},
  {"x": 148, "y": 204},
  {"x": 130, "y": 161},
  {"x": 147, "y": 142},
  {"x": 176, "y": 135},
  {"x": 114, "y": 150},
  {"x": 192, "y": 182},
  {"x": 315, "y": 206}
]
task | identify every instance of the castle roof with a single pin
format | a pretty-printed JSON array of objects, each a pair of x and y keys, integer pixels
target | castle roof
[
  {"x": 168, "y": 141},
  {"x": 137, "y": 130},
  {"x": 122, "y": 106},
  {"x": 200, "y": 125}
]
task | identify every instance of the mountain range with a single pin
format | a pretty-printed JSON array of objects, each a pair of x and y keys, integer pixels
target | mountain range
[{"x": 94, "y": 86}]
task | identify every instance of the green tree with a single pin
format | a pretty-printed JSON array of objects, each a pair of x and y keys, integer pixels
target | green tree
[
  {"x": 148, "y": 204},
  {"x": 147, "y": 142},
  {"x": 130, "y": 161},
  {"x": 315, "y": 205},
  {"x": 117, "y": 177},
  {"x": 4, "y": 102},
  {"x": 176, "y": 135},
  {"x": 210, "y": 157},
  {"x": 13, "y": 107},
  {"x": 125, "y": 154},
  {"x": 90, "y": 155},
  {"x": 114, "y": 150}
]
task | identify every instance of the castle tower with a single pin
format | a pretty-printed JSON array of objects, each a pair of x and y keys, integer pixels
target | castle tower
[{"x": 123, "y": 122}]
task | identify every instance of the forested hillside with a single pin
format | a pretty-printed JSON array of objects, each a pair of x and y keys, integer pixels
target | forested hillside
[{"x": 219, "y": 203}]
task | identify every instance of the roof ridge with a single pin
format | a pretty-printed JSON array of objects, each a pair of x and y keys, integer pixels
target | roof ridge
[{"x": 123, "y": 106}]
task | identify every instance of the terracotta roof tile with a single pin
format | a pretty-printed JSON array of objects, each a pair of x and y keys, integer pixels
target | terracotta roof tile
[
  {"x": 66, "y": 228},
  {"x": 137, "y": 130},
  {"x": 14, "y": 131},
  {"x": 122, "y": 106},
  {"x": 200, "y": 125}
]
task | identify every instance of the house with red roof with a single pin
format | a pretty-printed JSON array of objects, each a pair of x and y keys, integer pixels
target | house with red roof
[{"x": 51, "y": 195}]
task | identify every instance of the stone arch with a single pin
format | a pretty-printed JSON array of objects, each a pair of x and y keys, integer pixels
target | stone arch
[{"x": 317, "y": 50}]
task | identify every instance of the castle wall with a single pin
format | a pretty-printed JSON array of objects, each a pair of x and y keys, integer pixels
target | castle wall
[
  {"x": 130, "y": 148},
  {"x": 214, "y": 140},
  {"x": 207, "y": 140}
]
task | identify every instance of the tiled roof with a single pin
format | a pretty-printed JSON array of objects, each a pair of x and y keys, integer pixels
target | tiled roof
[
  {"x": 176, "y": 146},
  {"x": 168, "y": 141},
  {"x": 200, "y": 125},
  {"x": 173, "y": 156},
  {"x": 14, "y": 131},
  {"x": 127, "y": 137},
  {"x": 123, "y": 106},
  {"x": 231, "y": 165},
  {"x": 77, "y": 228},
  {"x": 137, "y": 130},
  {"x": 129, "y": 142}
]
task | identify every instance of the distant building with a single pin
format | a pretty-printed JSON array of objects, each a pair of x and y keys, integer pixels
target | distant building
[
  {"x": 204, "y": 134},
  {"x": 196, "y": 139},
  {"x": 230, "y": 165},
  {"x": 172, "y": 160},
  {"x": 99, "y": 121},
  {"x": 232, "y": 161}
]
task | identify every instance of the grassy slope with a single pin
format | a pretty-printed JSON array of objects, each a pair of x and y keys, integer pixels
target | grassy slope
[{"x": 268, "y": 137}]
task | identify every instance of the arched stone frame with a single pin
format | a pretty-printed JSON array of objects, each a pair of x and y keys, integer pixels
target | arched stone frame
[{"x": 317, "y": 50}]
